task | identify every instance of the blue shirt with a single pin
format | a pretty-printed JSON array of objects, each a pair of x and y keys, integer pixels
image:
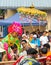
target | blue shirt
[{"x": 36, "y": 41}]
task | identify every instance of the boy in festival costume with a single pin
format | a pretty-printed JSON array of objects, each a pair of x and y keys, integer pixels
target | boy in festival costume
[
  {"x": 14, "y": 30},
  {"x": 12, "y": 39}
]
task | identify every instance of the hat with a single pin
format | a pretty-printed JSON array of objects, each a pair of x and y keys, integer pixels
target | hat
[
  {"x": 46, "y": 30},
  {"x": 24, "y": 35},
  {"x": 35, "y": 35}
]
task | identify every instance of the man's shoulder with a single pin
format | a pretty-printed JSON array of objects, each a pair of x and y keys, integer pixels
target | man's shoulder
[{"x": 41, "y": 36}]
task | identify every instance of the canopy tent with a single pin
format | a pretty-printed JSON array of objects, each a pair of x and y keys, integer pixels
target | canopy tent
[{"x": 25, "y": 22}]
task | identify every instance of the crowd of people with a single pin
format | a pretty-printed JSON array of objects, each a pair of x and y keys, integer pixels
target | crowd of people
[{"x": 30, "y": 47}]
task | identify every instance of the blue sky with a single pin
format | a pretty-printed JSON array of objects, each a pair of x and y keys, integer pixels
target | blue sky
[{"x": 18, "y": 3}]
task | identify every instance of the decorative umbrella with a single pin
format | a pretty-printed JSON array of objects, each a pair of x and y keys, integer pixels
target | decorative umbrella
[{"x": 32, "y": 13}]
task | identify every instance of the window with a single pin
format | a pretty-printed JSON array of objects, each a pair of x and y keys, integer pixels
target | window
[
  {"x": 1, "y": 28},
  {"x": 1, "y": 31},
  {"x": 2, "y": 11}
]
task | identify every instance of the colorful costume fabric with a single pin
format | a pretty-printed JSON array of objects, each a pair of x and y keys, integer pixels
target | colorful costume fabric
[
  {"x": 11, "y": 40},
  {"x": 17, "y": 28}
]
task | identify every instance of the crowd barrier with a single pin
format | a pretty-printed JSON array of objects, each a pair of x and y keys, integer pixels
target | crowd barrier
[
  {"x": 11, "y": 62},
  {"x": 7, "y": 62}
]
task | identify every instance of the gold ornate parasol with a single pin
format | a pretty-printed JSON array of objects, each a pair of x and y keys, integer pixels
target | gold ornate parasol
[{"x": 33, "y": 12}]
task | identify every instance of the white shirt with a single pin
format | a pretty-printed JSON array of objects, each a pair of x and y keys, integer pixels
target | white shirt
[
  {"x": 44, "y": 39},
  {"x": 24, "y": 53}
]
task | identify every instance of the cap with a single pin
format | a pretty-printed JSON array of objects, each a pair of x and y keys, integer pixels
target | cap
[
  {"x": 35, "y": 36},
  {"x": 24, "y": 35},
  {"x": 47, "y": 30}
]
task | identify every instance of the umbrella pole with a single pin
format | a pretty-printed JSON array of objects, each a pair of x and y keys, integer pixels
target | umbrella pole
[
  {"x": 32, "y": 26},
  {"x": 39, "y": 25}
]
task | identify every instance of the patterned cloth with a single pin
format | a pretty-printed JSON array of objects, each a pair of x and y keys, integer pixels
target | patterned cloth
[
  {"x": 26, "y": 61},
  {"x": 29, "y": 61}
]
